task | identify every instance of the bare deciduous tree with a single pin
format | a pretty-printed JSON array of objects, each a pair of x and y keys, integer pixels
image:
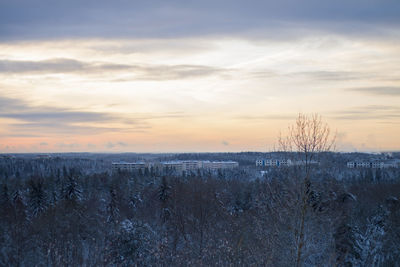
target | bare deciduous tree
[{"x": 308, "y": 137}]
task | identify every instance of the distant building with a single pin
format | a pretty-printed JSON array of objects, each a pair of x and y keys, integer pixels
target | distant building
[
  {"x": 177, "y": 165},
  {"x": 281, "y": 162},
  {"x": 392, "y": 164},
  {"x": 128, "y": 166},
  {"x": 273, "y": 162},
  {"x": 374, "y": 164},
  {"x": 43, "y": 156},
  {"x": 351, "y": 164},
  {"x": 191, "y": 165},
  {"x": 173, "y": 165},
  {"x": 219, "y": 165}
]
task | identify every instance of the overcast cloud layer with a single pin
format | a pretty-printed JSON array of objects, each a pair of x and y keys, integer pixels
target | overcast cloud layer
[{"x": 43, "y": 19}]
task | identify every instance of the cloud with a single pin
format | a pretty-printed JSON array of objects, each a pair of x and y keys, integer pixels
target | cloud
[
  {"x": 54, "y": 65},
  {"x": 12, "y": 134},
  {"x": 122, "y": 144},
  {"x": 46, "y": 115},
  {"x": 380, "y": 90},
  {"x": 145, "y": 46},
  {"x": 176, "y": 72},
  {"x": 91, "y": 146},
  {"x": 267, "y": 117},
  {"x": 58, "y": 65},
  {"x": 64, "y": 128},
  {"x": 116, "y": 144},
  {"x": 331, "y": 75},
  {"x": 67, "y": 145},
  {"x": 137, "y": 72},
  {"x": 370, "y": 112},
  {"x": 45, "y": 120},
  {"x": 25, "y": 19}
]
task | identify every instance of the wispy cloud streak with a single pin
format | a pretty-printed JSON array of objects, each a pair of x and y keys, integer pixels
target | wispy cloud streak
[
  {"x": 370, "y": 112},
  {"x": 135, "y": 72},
  {"x": 42, "y": 120},
  {"x": 378, "y": 91}
]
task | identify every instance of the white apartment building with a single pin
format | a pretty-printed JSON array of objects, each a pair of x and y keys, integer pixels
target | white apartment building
[
  {"x": 219, "y": 165},
  {"x": 173, "y": 165},
  {"x": 282, "y": 162},
  {"x": 272, "y": 162},
  {"x": 373, "y": 164},
  {"x": 259, "y": 162},
  {"x": 128, "y": 166},
  {"x": 177, "y": 165},
  {"x": 191, "y": 165},
  {"x": 378, "y": 165},
  {"x": 392, "y": 164},
  {"x": 351, "y": 164}
]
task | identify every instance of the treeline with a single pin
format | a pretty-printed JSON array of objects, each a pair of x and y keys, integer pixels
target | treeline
[{"x": 71, "y": 218}]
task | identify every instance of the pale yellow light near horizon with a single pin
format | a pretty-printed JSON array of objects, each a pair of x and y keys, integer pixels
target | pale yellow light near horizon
[{"x": 204, "y": 94}]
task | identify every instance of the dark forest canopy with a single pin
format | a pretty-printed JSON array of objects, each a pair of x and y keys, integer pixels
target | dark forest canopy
[{"x": 71, "y": 209}]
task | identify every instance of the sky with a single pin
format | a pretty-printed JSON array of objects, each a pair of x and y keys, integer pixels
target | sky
[{"x": 196, "y": 76}]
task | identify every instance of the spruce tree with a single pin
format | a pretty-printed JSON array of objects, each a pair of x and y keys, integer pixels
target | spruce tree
[
  {"x": 37, "y": 197},
  {"x": 164, "y": 193},
  {"x": 113, "y": 207},
  {"x": 72, "y": 192},
  {"x": 19, "y": 206}
]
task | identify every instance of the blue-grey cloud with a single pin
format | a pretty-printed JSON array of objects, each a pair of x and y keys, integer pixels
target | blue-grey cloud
[
  {"x": 67, "y": 145},
  {"x": 56, "y": 65},
  {"x": 139, "y": 72},
  {"x": 370, "y": 112},
  {"x": 25, "y": 19},
  {"x": 116, "y": 144},
  {"x": 378, "y": 90},
  {"x": 47, "y": 120},
  {"x": 144, "y": 46},
  {"x": 64, "y": 128},
  {"x": 90, "y": 145}
]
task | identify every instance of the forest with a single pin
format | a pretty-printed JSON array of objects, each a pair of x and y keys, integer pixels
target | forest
[{"x": 71, "y": 211}]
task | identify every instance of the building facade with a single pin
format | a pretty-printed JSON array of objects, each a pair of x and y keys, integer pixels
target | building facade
[
  {"x": 219, "y": 165},
  {"x": 273, "y": 162},
  {"x": 282, "y": 162},
  {"x": 374, "y": 164},
  {"x": 177, "y": 165},
  {"x": 129, "y": 166}
]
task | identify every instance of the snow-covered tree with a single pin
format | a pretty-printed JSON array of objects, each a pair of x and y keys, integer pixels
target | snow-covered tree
[
  {"x": 37, "y": 197},
  {"x": 133, "y": 245}
]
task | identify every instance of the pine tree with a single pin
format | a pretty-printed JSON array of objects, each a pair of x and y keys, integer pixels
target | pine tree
[
  {"x": 5, "y": 204},
  {"x": 113, "y": 207},
  {"x": 37, "y": 197},
  {"x": 164, "y": 193},
  {"x": 164, "y": 190},
  {"x": 72, "y": 192},
  {"x": 4, "y": 196},
  {"x": 19, "y": 206}
]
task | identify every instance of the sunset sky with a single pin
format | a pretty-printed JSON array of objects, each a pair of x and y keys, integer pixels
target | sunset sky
[{"x": 196, "y": 76}]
